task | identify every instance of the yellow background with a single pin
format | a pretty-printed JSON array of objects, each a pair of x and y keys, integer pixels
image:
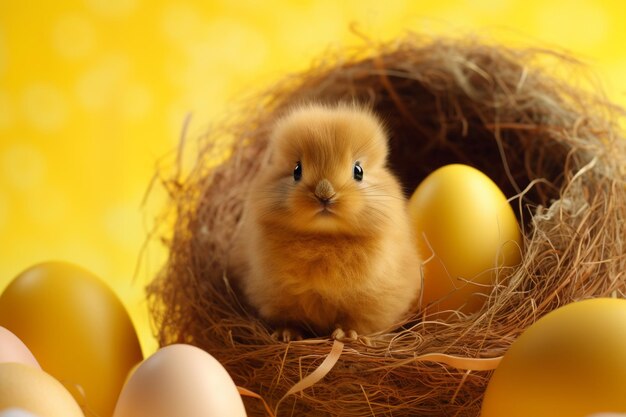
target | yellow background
[{"x": 94, "y": 92}]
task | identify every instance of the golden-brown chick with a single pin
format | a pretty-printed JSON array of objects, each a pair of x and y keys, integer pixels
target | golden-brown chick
[{"x": 325, "y": 242}]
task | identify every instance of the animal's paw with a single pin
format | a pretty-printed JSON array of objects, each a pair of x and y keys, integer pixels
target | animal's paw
[
  {"x": 286, "y": 334},
  {"x": 342, "y": 336}
]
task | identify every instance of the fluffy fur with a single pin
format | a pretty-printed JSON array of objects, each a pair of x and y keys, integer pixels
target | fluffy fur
[{"x": 327, "y": 251}]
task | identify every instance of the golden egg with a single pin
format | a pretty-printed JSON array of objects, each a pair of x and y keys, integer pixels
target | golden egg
[
  {"x": 466, "y": 234},
  {"x": 31, "y": 389},
  {"x": 570, "y": 363},
  {"x": 77, "y": 329}
]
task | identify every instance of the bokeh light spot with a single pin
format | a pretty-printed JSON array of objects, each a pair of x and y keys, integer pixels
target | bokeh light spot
[
  {"x": 99, "y": 86},
  {"x": 73, "y": 36},
  {"x": 23, "y": 165},
  {"x": 44, "y": 106}
]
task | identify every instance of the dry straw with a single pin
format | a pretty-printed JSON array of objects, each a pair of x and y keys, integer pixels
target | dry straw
[{"x": 556, "y": 149}]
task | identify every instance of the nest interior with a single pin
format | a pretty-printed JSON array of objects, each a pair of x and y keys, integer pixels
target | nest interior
[{"x": 555, "y": 149}]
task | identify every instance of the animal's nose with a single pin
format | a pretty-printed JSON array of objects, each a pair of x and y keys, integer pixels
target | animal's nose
[{"x": 324, "y": 191}]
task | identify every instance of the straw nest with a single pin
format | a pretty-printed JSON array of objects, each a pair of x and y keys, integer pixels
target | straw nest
[{"x": 555, "y": 148}]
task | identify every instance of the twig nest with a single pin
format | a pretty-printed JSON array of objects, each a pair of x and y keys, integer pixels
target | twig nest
[{"x": 553, "y": 148}]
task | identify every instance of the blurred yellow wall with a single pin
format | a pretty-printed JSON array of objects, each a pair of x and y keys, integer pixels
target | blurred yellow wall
[{"x": 93, "y": 92}]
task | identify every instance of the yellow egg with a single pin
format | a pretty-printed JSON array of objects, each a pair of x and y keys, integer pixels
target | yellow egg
[
  {"x": 12, "y": 349},
  {"x": 465, "y": 230},
  {"x": 77, "y": 329},
  {"x": 180, "y": 380},
  {"x": 570, "y": 363},
  {"x": 33, "y": 390}
]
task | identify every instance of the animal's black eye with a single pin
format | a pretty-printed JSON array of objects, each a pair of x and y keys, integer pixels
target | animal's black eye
[
  {"x": 297, "y": 172},
  {"x": 358, "y": 172}
]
